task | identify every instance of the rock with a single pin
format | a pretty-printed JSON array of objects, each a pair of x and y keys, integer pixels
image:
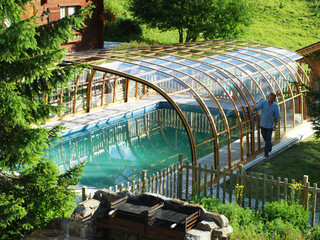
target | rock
[
  {"x": 222, "y": 232},
  {"x": 85, "y": 209},
  {"x": 207, "y": 225},
  {"x": 221, "y": 219},
  {"x": 195, "y": 234},
  {"x": 56, "y": 229}
]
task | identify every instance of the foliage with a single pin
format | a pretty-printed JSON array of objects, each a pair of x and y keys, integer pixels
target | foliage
[
  {"x": 123, "y": 30},
  {"x": 32, "y": 190},
  {"x": 280, "y": 229},
  {"x": 34, "y": 197},
  {"x": 271, "y": 24},
  {"x": 313, "y": 105},
  {"x": 107, "y": 17},
  {"x": 315, "y": 232},
  {"x": 288, "y": 212},
  {"x": 244, "y": 222},
  {"x": 238, "y": 193},
  {"x": 213, "y": 19},
  {"x": 278, "y": 220}
]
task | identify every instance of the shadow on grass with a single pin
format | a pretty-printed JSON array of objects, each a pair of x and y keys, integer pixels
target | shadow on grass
[{"x": 297, "y": 161}]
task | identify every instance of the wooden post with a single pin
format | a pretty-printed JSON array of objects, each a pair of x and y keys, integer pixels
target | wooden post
[
  {"x": 199, "y": 179},
  {"x": 187, "y": 181},
  {"x": 139, "y": 188},
  {"x": 264, "y": 191},
  {"x": 84, "y": 193},
  {"x": 278, "y": 189},
  {"x": 305, "y": 190},
  {"x": 250, "y": 189},
  {"x": 231, "y": 185},
  {"x": 133, "y": 187},
  {"x": 314, "y": 204},
  {"x": 285, "y": 189},
  {"x": 194, "y": 180},
  {"x": 224, "y": 185},
  {"x": 205, "y": 179},
  {"x": 180, "y": 176},
  {"x": 257, "y": 191},
  {"x": 243, "y": 183},
  {"x": 157, "y": 183},
  {"x": 307, "y": 195},
  {"x": 154, "y": 182},
  {"x": 89, "y": 90},
  {"x": 212, "y": 181},
  {"x": 126, "y": 90},
  {"x": 167, "y": 181},
  {"x": 271, "y": 188},
  {"x": 240, "y": 174},
  {"x": 144, "y": 180}
]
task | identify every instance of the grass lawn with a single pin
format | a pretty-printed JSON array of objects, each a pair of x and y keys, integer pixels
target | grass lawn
[
  {"x": 290, "y": 24},
  {"x": 301, "y": 159}
]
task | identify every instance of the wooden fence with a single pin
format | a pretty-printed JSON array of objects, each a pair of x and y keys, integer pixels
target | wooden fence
[{"x": 251, "y": 190}]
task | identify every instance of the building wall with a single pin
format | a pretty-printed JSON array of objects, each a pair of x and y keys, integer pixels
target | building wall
[{"x": 91, "y": 36}]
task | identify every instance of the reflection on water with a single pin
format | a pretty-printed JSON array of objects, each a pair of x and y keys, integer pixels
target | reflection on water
[{"x": 119, "y": 152}]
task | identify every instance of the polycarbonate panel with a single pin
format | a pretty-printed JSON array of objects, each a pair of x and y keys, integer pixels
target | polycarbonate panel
[
  {"x": 54, "y": 100},
  {"x": 298, "y": 119},
  {"x": 82, "y": 94},
  {"x": 289, "y": 113},
  {"x": 108, "y": 91},
  {"x": 284, "y": 57},
  {"x": 68, "y": 101}
]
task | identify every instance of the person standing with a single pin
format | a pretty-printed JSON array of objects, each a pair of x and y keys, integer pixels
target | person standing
[{"x": 268, "y": 120}]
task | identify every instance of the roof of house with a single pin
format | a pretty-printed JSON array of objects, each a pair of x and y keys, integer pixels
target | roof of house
[{"x": 309, "y": 49}]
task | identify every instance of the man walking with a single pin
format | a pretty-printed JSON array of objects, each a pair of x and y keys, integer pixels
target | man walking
[{"x": 268, "y": 120}]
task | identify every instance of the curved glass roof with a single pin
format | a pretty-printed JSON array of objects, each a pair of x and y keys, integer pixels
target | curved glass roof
[{"x": 221, "y": 79}]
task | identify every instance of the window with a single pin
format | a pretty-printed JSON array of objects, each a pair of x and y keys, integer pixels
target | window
[{"x": 65, "y": 11}]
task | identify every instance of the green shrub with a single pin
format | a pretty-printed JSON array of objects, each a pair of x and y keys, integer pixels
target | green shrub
[
  {"x": 278, "y": 220},
  {"x": 245, "y": 222},
  {"x": 123, "y": 30},
  {"x": 280, "y": 229},
  {"x": 293, "y": 213},
  {"x": 315, "y": 233}
]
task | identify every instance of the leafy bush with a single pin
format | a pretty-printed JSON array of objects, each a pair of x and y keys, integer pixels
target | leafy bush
[
  {"x": 123, "y": 30},
  {"x": 315, "y": 232},
  {"x": 39, "y": 194},
  {"x": 280, "y": 229},
  {"x": 293, "y": 213},
  {"x": 245, "y": 222},
  {"x": 278, "y": 220}
]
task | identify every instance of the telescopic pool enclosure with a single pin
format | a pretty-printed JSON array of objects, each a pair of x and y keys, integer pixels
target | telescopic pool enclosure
[{"x": 219, "y": 80}]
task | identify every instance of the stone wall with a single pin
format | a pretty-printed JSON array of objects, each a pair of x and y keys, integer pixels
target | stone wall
[{"x": 80, "y": 226}]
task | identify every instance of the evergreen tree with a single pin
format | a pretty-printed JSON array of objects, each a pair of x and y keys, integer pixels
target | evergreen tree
[{"x": 32, "y": 191}]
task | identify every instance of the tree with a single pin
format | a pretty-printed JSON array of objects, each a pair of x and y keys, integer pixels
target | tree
[
  {"x": 213, "y": 19},
  {"x": 32, "y": 191}
]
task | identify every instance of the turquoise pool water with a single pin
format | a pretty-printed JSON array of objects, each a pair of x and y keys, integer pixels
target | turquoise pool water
[{"x": 118, "y": 152}]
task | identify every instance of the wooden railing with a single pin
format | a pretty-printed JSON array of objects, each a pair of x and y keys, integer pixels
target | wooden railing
[{"x": 253, "y": 190}]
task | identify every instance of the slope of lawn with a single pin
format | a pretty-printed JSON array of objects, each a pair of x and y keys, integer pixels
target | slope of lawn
[
  {"x": 301, "y": 159},
  {"x": 290, "y": 24}
]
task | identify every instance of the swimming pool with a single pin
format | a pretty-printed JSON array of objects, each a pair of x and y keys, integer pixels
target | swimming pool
[{"x": 117, "y": 152}]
